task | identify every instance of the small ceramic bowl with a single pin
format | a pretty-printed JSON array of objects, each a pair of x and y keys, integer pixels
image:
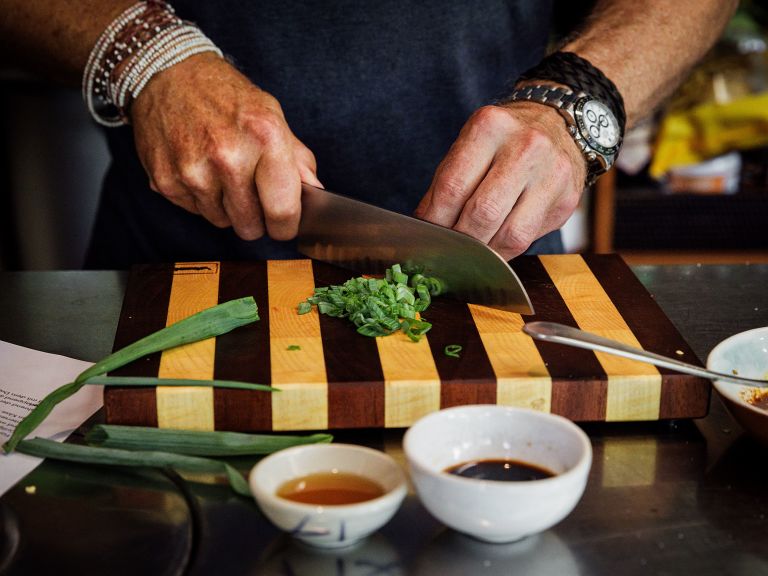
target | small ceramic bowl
[
  {"x": 328, "y": 526},
  {"x": 497, "y": 511},
  {"x": 745, "y": 354}
]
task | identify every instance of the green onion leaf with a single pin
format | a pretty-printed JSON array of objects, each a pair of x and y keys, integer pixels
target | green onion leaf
[
  {"x": 452, "y": 350},
  {"x": 151, "y": 381},
  {"x": 205, "y": 324},
  {"x": 145, "y": 458},
  {"x": 195, "y": 442},
  {"x": 294, "y": 347}
]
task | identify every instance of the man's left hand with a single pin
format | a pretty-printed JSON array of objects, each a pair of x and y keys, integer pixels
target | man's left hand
[{"x": 513, "y": 174}]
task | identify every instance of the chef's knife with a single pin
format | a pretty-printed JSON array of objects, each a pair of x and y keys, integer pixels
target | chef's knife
[{"x": 369, "y": 239}]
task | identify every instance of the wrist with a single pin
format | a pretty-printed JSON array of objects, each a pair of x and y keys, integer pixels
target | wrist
[
  {"x": 144, "y": 40},
  {"x": 588, "y": 102}
]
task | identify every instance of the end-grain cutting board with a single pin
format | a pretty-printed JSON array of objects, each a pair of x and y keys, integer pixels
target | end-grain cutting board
[{"x": 339, "y": 379}]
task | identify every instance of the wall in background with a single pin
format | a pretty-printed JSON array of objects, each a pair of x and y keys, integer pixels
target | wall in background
[{"x": 54, "y": 159}]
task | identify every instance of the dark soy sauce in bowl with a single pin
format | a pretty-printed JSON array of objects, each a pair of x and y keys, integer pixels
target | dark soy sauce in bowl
[{"x": 500, "y": 470}]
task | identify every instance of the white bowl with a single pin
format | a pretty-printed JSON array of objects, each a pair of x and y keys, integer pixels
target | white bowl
[
  {"x": 497, "y": 511},
  {"x": 325, "y": 526},
  {"x": 747, "y": 354}
]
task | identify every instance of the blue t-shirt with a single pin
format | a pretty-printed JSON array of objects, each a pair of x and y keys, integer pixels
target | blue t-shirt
[{"x": 377, "y": 89}]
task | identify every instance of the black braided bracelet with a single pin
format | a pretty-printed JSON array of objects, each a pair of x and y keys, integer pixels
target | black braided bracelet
[{"x": 581, "y": 76}]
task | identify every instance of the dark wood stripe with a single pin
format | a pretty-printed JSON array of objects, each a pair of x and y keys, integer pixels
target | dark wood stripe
[
  {"x": 144, "y": 311},
  {"x": 681, "y": 395},
  {"x": 579, "y": 383},
  {"x": 352, "y": 365},
  {"x": 468, "y": 379},
  {"x": 243, "y": 354}
]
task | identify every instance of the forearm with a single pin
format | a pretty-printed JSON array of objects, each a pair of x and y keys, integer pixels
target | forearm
[
  {"x": 54, "y": 37},
  {"x": 647, "y": 47}
]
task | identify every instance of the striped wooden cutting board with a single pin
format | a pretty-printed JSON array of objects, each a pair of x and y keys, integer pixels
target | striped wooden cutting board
[{"x": 339, "y": 379}]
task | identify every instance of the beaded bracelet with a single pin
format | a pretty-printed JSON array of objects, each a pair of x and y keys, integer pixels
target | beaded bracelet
[{"x": 144, "y": 40}]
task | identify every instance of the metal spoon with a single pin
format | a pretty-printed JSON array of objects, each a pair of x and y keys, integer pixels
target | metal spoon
[{"x": 562, "y": 334}]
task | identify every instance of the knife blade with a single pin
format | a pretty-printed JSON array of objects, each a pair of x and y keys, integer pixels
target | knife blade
[{"x": 365, "y": 238}]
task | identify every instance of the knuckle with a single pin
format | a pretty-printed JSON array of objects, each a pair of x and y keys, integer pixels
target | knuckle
[
  {"x": 267, "y": 127},
  {"x": 192, "y": 176},
  {"x": 485, "y": 211},
  {"x": 226, "y": 157},
  {"x": 536, "y": 139},
  {"x": 283, "y": 212},
  {"x": 450, "y": 190},
  {"x": 488, "y": 117},
  {"x": 250, "y": 232},
  {"x": 518, "y": 240},
  {"x": 164, "y": 184}
]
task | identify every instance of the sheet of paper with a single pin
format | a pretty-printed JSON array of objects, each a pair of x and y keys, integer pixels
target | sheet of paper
[{"x": 26, "y": 376}]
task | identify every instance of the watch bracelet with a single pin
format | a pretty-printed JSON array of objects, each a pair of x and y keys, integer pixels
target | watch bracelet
[{"x": 579, "y": 75}]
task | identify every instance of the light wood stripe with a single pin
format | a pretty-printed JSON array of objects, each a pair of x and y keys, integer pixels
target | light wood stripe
[
  {"x": 411, "y": 381},
  {"x": 300, "y": 374},
  {"x": 634, "y": 388},
  {"x": 522, "y": 377},
  {"x": 195, "y": 287}
]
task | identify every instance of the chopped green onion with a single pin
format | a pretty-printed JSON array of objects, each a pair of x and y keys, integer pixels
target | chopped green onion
[
  {"x": 210, "y": 322},
  {"x": 294, "y": 347},
  {"x": 145, "y": 458},
  {"x": 304, "y": 307},
  {"x": 378, "y": 307},
  {"x": 195, "y": 442},
  {"x": 452, "y": 350},
  {"x": 151, "y": 381}
]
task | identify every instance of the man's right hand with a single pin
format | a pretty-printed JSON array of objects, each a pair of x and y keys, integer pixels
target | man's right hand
[{"x": 216, "y": 145}]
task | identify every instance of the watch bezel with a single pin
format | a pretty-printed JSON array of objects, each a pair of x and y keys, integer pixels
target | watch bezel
[{"x": 578, "y": 114}]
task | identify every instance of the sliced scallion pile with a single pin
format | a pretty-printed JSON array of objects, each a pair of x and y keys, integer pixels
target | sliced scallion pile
[{"x": 379, "y": 306}]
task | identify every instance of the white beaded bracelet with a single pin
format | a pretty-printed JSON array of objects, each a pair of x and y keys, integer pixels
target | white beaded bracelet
[
  {"x": 144, "y": 40},
  {"x": 90, "y": 89}
]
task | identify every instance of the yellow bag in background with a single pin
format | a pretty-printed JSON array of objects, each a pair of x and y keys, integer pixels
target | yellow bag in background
[{"x": 708, "y": 130}]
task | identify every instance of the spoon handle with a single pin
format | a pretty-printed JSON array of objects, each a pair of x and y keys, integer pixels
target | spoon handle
[{"x": 562, "y": 334}]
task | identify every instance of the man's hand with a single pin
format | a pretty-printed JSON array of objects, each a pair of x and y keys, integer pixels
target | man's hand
[
  {"x": 513, "y": 174},
  {"x": 216, "y": 145}
]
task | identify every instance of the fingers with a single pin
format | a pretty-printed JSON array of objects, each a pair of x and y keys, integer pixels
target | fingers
[
  {"x": 493, "y": 199},
  {"x": 543, "y": 206},
  {"x": 511, "y": 176},
  {"x": 222, "y": 150},
  {"x": 462, "y": 170},
  {"x": 279, "y": 189},
  {"x": 239, "y": 197}
]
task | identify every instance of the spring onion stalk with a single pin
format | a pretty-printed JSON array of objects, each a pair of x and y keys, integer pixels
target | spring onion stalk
[
  {"x": 44, "y": 448},
  {"x": 210, "y": 322},
  {"x": 195, "y": 442},
  {"x": 379, "y": 307},
  {"x": 151, "y": 381}
]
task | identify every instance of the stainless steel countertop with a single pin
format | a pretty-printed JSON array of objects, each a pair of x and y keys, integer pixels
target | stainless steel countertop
[{"x": 663, "y": 498}]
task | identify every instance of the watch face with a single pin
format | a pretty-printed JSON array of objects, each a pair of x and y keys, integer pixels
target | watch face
[{"x": 598, "y": 125}]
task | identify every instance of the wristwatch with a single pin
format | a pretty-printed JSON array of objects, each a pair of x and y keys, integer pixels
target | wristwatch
[
  {"x": 591, "y": 123},
  {"x": 589, "y": 102}
]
